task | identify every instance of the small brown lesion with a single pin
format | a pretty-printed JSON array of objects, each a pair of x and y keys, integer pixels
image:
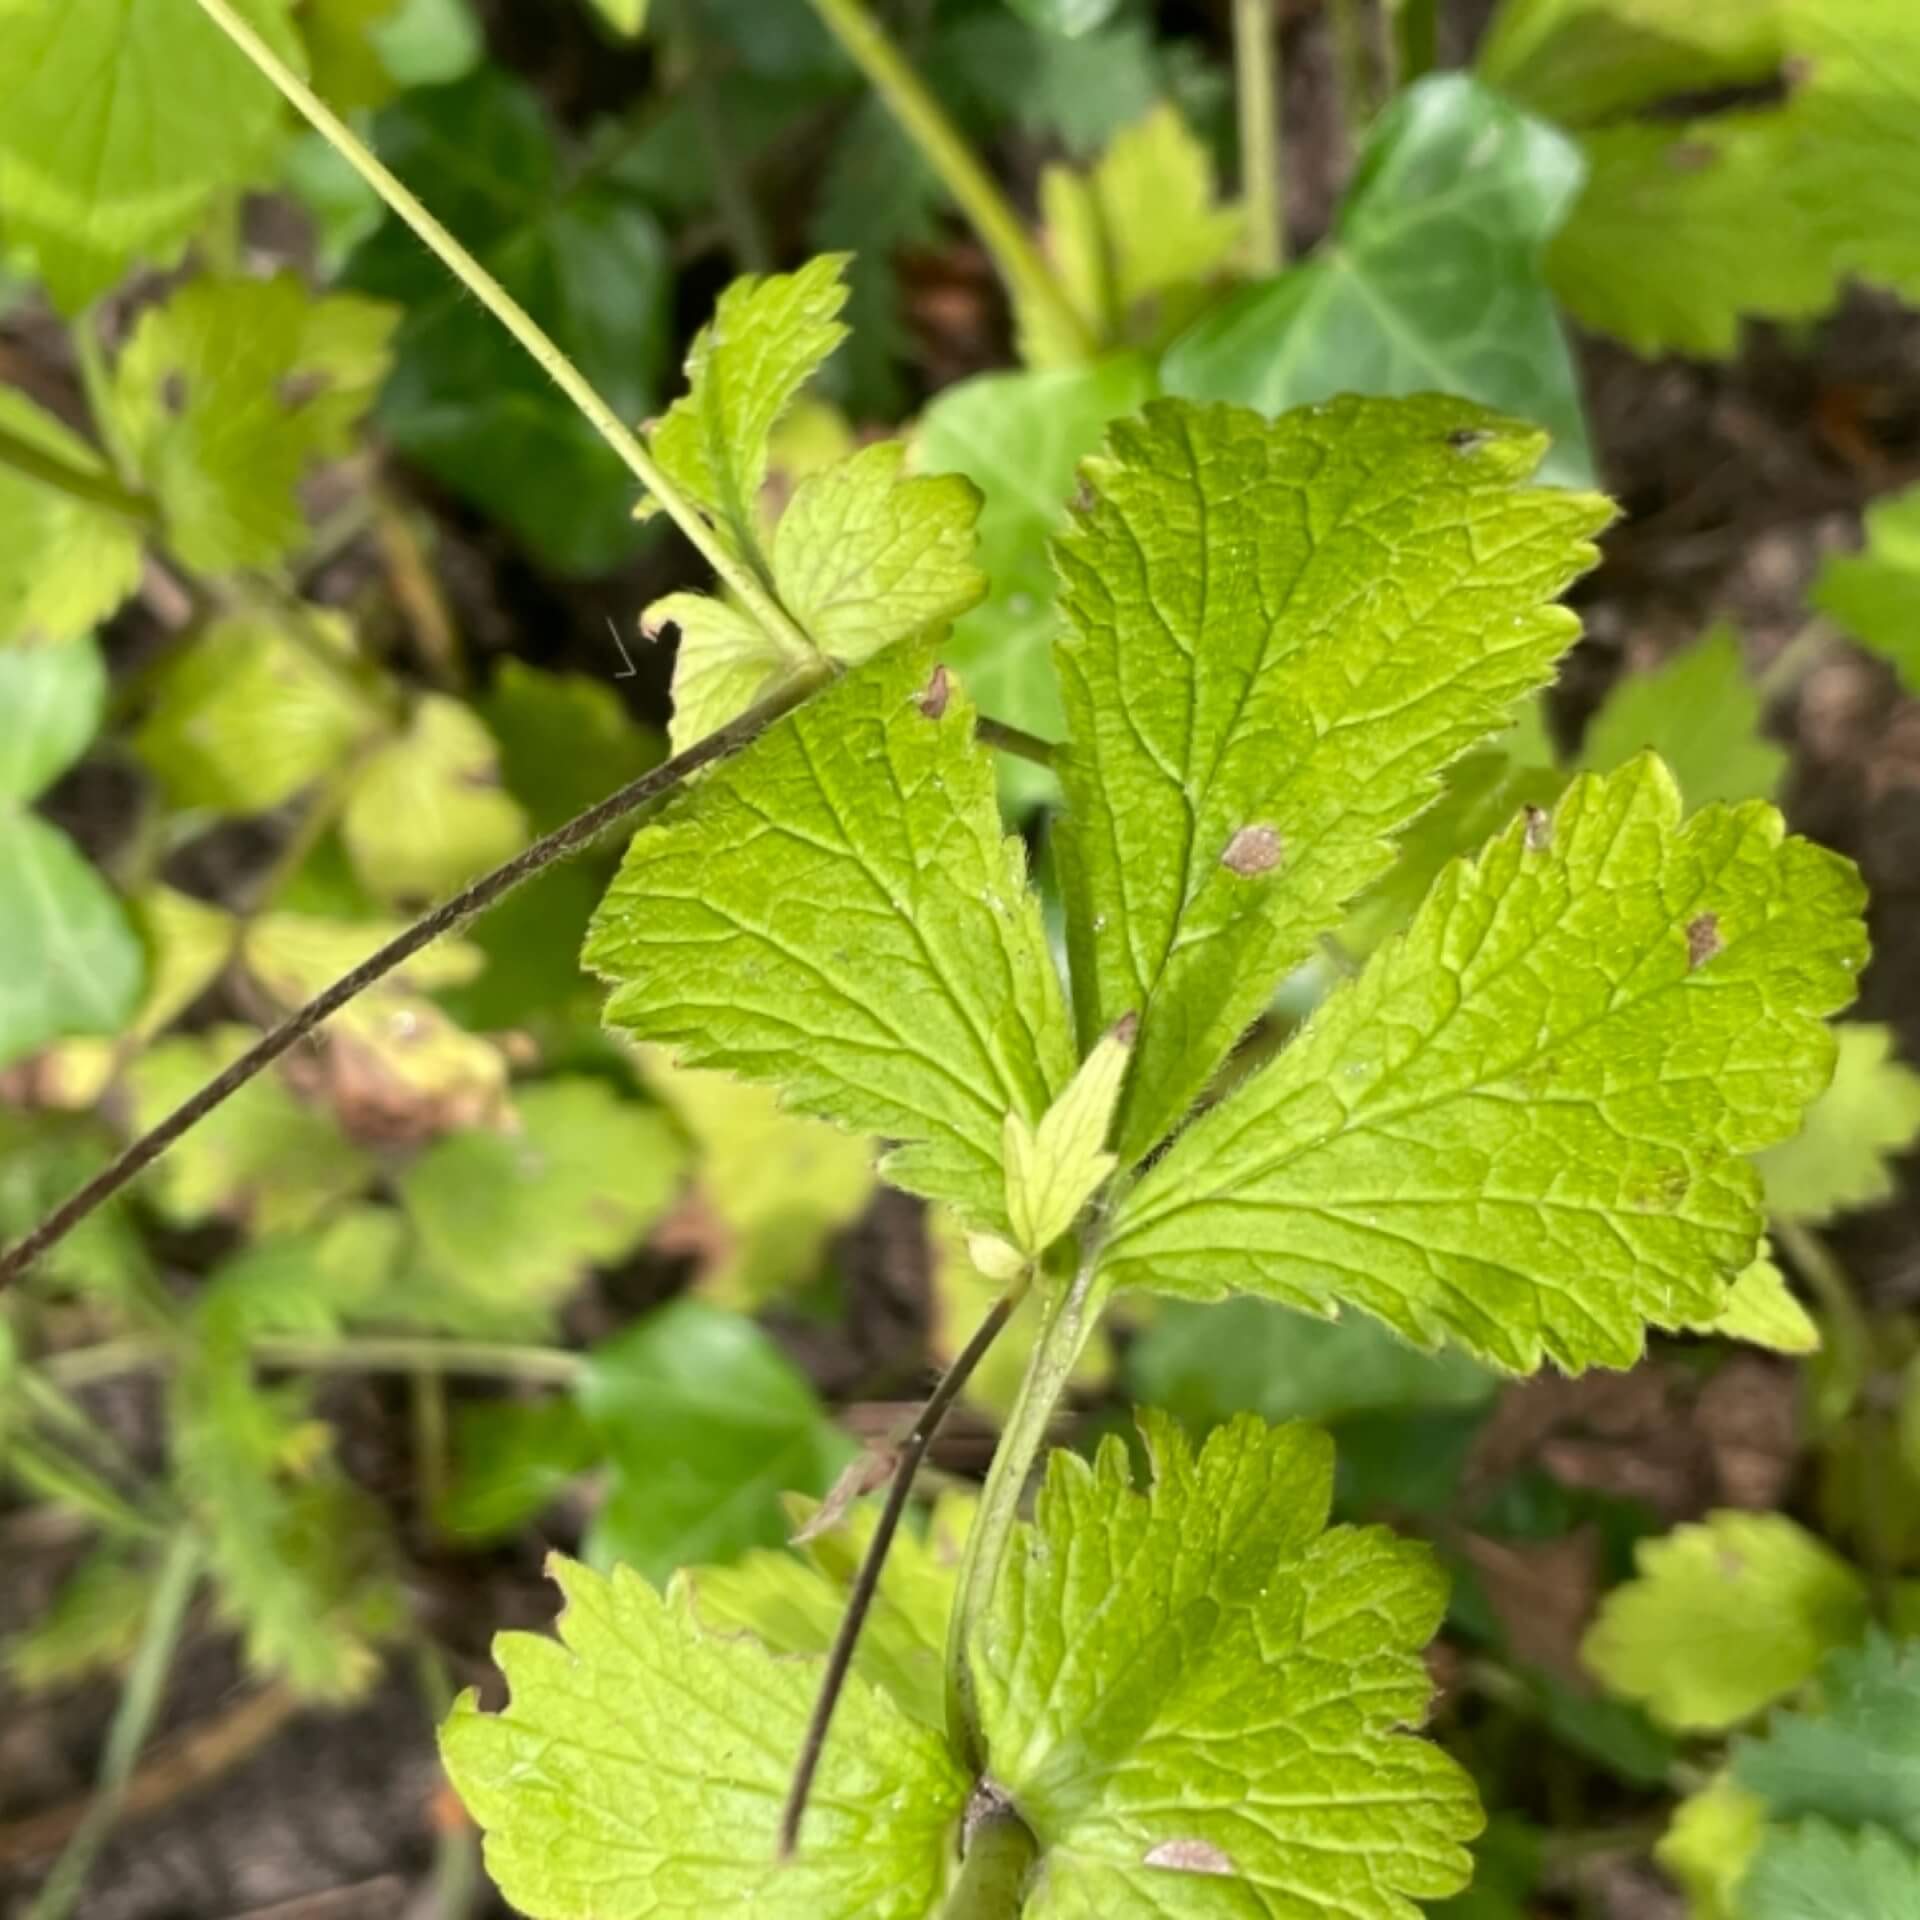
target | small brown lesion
[
  {"x": 297, "y": 390},
  {"x": 933, "y": 699},
  {"x": 1253, "y": 850},
  {"x": 1539, "y": 829},
  {"x": 1703, "y": 939}
]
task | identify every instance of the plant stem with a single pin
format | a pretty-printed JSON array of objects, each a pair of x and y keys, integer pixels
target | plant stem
[
  {"x": 1014, "y": 740},
  {"x": 1414, "y": 39},
  {"x": 1352, "y": 64},
  {"x": 867, "y": 1581},
  {"x": 545, "y": 353},
  {"x": 400, "y": 1353},
  {"x": 1001, "y": 1850},
  {"x": 1063, "y": 1336},
  {"x": 925, "y": 122},
  {"x": 132, "y": 1721},
  {"x": 94, "y": 489},
  {"x": 1256, "y": 79},
  {"x": 1848, "y": 1361}
]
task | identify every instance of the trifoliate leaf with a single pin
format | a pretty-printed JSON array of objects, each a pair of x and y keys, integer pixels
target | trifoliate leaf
[
  {"x": 264, "y": 1158},
  {"x": 1252, "y": 715},
  {"x": 1761, "y": 1310},
  {"x": 1723, "y": 1619},
  {"x": 775, "y": 1186},
  {"x": 1875, "y": 594},
  {"x": 1856, "y": 1760},
  {"x": 588, "y": 260},
  {"x": 1522, "y": 1126},
  {"x": 768, "y": 336},
  {"x": 120, "y": 121},
  {"x": 1198, "y": 1699},
  {"x": 516, "y": 1217},
  {"x": 705, "y": 1423},
  {"x": 1709, "y": 1845},
  {"x": 65, "y": 563},
  {"x": 226, "y": 393},
  {"x": 1450, "y": 174},
  {"x": 250, "y": 713},
  {"x": 1839, "y": 1160},
  {"x": 92, "y": 1623},
  {"x": 835, "y": 912},
  {"x": 1019, "y": 437},
  {"x": 1813, "y": 1871},
  {"x": 427, "y": 812},
  {"x": 587, "y": 1813},
  {"x": 1054, "y": 1168},
  {"x": 1700, "y": 713}
]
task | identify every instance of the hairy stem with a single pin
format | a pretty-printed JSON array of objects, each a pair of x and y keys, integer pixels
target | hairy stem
[
  {"x": 1064, "y": 1335},
  {"x": 866, "y": 1581},
  {"x": 539, "y": 345},
  {"x": 1001, "y": 1850},
  {"x": 921, "y": 116},
  {"x": 1256, "y": 79},
  {"x": 132, "y": 1722},
  {"x": 93, "y": 489}
]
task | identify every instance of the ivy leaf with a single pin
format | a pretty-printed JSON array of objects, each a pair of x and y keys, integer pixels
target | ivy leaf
[
  {"x": 64, "y": 562},
  {"x": 1857, "y": 1760},
  {"x": 1700, "y": 713},
  {"x": 1875, "y": 594},
  {"x": 791, "y": 921},
  {"x": 1816, "y": 1872},
  {"x": 249, "y": 714},
  {"x": 515, "y": 1217},
  {"x": 1521, "y": 1127},
  {"x": 1839, "y": 1160},
  {"x": 705, "y": 1424},
  {"x": 585, "y": 256},
  {"x": 1724, "y": 1618},
  {"x": 1197, "y": 1697},
  {"x": 120, "y": 124},
  {"x": 1453, "y": 175},
  {"x": 586, "y": 1813},
  {"x": 1251, "y": 714}
]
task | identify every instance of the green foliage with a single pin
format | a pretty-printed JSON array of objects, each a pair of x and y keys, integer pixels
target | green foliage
[
  {"x": 1710, "y": 1844},
  {"x": 92, "y": 1624},
  {"x": 1065, "y": 16},
  {"x": 1432, "y": 279},
  {"x": 1817, "y": 1872},
  {"x": 1839, "y": 1160},
  {"x": 1211, "y": 1631},
  {"x": 1875, "y": 594},
  {"x": 1723, "y": 1619},
  {"x": 511, "y": 1460}
]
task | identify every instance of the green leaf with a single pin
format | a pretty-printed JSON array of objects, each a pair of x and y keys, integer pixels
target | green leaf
[
  {"x": 1248, "y": 1356},
  {"x": 566, "y": 741},
  {"x": 1054, "y": 1168},
  {"x": 43, "y": 1159},
  {"x": 1068, "y": 17},
  {"x": 1197, "y": 1697},
  {"x": 585, "y": 257},
  {"x": 788, "y": 920},
  {"x": 1710, "y": 1843},
  {"x": 588, "y": 1813},
  {"x": 512, "y": 1459},
  {"x": 1251, "y": 716},
  {"x": 53, "y": 701},
  {"x": 250, "y": 713},
  {"x": 343, "y": 41},
  {"x": 91, "y": 1625},
  {"x": 1723, "y": 1619},
  {"x": 427, "y": 812},
  {"x": 1816, "y": 1872},
  {"x": 64, "y": 562},
  {"x": 1858, "y": 1759},
  {"x": 1761, "y": 1310},
  {"x": 628, "y": 18},
  {"x": 430, "y": 42},
  {"x": 1522, "y": 1126},
  {"x": 1432, "y": 279},
  {"x": 1839, "y": 1160},
  {"x": 1875, "y": 594},
  {"x": 705, "y": 1424},
  {"x": 1701, "y": 714},
  {"x": 120, "y": 122},
  {"x": 515, "y": 1218}
]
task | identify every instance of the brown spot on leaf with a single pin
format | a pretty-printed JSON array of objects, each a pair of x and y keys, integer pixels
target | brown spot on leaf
[
  {"x": 1190, "y": 1856},
  {"x": 1703, "y": 939},
  {"x": 1468, "y": 439},
  {"x": 1253, "y": 850},
  {"x": 173, "y": 393},
  {"x": 1692, "y": 156},
  {"x": 297, "y": 390},
  {"x": 939, "y": 690},
  {"x": 1126, "y": 1028},
  {"x": 1539, "y": 830}
]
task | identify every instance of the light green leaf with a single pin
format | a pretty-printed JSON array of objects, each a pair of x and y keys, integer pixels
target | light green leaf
[
  {"x": 91, "y": 1625},
  {"x": 628, "y": 18},
  {"x": 343, "y": 41},
  {"x": 64, "y": 562},
  {"x": 1723, "y": 1619},
  {"x": 52, "y": 701},
  {"x": 1816, "y": 1872},
  {"x": 1284, "y": 632},
  {"x": 1709, "y": 1845},
  {"x": 588, "y": 1814},
  {"x": 835, "y": 912},
  {"x": 1761, "y": 1310},
  {"x": 427, "y": 812},
  {"x": 1068, "y": 17},
  {"x": 1856, "y": 1760},
  {"x": 249, "y": 713},
  {"x": 1839, "y": 1160},
  {"x": 1701, "y": 714},
  {"x": 1875, "y": 594},
  {"x": 516, "y": 1217},
  {"x": 1198, "y": 1698},
  {"x": 1432, "y": 279},
  {"x": 706, "y": 1423},
  {"x": 228, "y": 392},
  {"x": 1522, "y": 1126},
  {"x": 1054, "y": 1168},
  {"x": 429, "y": 43},
  {"x": 120, "y": 122}
]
